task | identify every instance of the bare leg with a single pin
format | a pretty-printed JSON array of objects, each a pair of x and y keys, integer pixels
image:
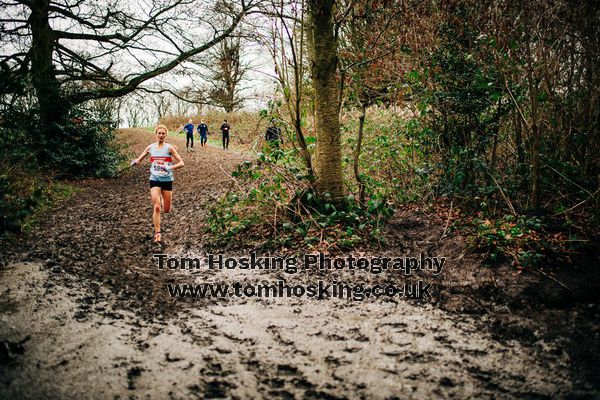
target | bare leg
[
  {"x": 156, "y": 195},
  {"x": 167, "y": 196}
]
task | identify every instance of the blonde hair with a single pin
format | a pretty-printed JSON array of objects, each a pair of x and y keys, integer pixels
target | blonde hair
[{"x": 161, "y": 127}]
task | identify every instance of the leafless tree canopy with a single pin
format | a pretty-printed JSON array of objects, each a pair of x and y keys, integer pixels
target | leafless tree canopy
[
  {"x": 225, "y": 71},
  {"x": 107, "y": 49}
]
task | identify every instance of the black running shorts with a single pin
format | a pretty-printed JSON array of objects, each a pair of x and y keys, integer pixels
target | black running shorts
[{"x": 167, "y": 185}]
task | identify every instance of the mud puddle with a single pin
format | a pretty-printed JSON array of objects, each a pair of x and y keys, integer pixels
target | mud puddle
[{"x": 256, "y": 348}]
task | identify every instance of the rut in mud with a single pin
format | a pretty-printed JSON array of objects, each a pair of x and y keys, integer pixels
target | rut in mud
[{"x": 85, "y": 314}]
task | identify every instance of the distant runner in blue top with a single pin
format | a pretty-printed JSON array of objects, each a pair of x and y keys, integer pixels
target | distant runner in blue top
[
  {"x": 162, "y": 155},
  {"x": 189, "y": 137},
  {"x": 203, "y": 131}
]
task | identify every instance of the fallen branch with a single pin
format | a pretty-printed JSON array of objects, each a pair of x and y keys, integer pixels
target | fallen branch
[
  {"x": 512, "y": 210},
  {"x": 232, "y": 178},
  {"x": 447, "y": 220},
  {"x": 553, "y": 278}
]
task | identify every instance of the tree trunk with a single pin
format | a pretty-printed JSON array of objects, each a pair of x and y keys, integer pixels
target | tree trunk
[
  {"x": 359, "y": 180},
  {"x": 323, "y": 43},
  {"x": 535, "y": 135},
  {"x": 53, "y": 108},
  {"x": 519, "y": 140}
]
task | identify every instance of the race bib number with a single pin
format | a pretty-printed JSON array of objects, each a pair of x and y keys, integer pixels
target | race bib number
[{"x": 159, "y": 166}]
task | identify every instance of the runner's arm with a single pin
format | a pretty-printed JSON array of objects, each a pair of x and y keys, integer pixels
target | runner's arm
[
  {"x": 177, "y": 158},
  {"x": 142, "y": 156}
]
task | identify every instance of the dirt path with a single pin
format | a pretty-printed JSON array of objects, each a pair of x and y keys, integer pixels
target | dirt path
[{"x": 84, "y": 313}]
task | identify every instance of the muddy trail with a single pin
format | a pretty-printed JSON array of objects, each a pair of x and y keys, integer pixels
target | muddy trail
[{"x": 85, "y": 312}]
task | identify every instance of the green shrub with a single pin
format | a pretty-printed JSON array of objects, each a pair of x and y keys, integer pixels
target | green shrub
[
  {"x": 274, "y": 199},
  {"x": 85, "y": 145},
  {"x": 16, "y": 206}
]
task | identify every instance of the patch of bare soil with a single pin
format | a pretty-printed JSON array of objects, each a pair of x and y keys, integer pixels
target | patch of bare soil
[{"x": 84, "y": 313}]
